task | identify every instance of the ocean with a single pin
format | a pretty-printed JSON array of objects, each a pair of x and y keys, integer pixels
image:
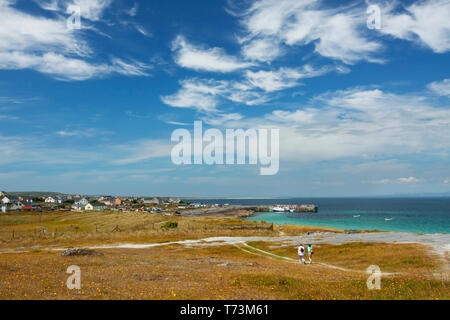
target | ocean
[{"x": 416, "y": 215}]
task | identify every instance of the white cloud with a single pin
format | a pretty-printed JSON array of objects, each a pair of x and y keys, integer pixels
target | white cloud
[
  {"x": 390, "y": 181},
  {"x": 50, "y": 5},
  {"x": 408, "y": 180},
  {"x": 143, "y": 150},
  {"x": 89, "y": 132},
  {"x": 274, "y": 80},
  {"x": 441, "y": 88},
  {"x": 143, "y": 31},
  {"x": 213, "y": 59},
  {"x": 133, "y": 11},
  {"x": 205, "y": 94},
  {"x": 359, "y": 122},
  {"x": 264, "y": 50},
  {"x": 4, "y": 117},
  {"x": 48, "y": 46},
  {"x": 282, "y": 78},
  {"x": 221, "y": 118},
  {"x": 18, "y": 150},
  {"x": 425, "y": 22},
  {"x": 21, "y": 150},
  {"x": 90, "y": 9},
  {"x": 198, "y": 94},
  {"x": 64, "y": 68},
  {"x": 335, "y": 33},
  {"x": 23, "y": 32}
]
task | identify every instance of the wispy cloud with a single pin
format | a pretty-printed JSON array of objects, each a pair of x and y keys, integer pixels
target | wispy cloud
[
  {"x": 335, "y": 33},
  {"x": 390, "y": 181},
  {"x": 205, "y": 59},
  {"x": 359, "y": 122},
  {"x": 85, "y": 133},
  {"x": 284, "y": 77},
  {"x": 197, "y": 94},
  {"x": 424, "y": 22},
  {"x": 49, "y": 46},
  {"x": 441, "y": 88},
  {"x": 143, "y": 150},
  {"x": 133, "y": 10},
  {"x": 143, "y": 31}
]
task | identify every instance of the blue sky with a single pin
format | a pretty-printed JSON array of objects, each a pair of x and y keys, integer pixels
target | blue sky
[{"x": 361, "y": 111}]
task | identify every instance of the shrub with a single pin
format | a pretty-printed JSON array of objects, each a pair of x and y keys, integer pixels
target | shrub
[{"x": 170, "y": 225}]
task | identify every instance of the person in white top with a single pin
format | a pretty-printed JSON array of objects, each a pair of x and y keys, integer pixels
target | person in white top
[{"x": 301, "y": 253}]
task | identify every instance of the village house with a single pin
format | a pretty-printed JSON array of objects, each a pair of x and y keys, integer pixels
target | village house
[
  {"x": 15, "y": 206},
  {"x": 82, "y": 202},
  {"x": 118, "y": 202},
  {"x": 26, "y": 199},
  {"x": 10, "y": 200},
  {"x": 49, "y": 200},
  {"x": 150, "y": 200},
  {"x": 109, "y": 201},
  {"x": 98, "y": 206},
  {"x": 174, "y": 200}
]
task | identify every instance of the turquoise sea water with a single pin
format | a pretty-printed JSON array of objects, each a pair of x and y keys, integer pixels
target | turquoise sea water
[{"x": 417, "y": 215}]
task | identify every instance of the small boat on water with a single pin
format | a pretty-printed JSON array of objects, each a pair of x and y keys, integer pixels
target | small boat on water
[
  {"x": 293, "y": 208},
  {"x": 279, "y": 209},
  {"x": 388, "y": 219},
  {"x": 357, "y": 216}
]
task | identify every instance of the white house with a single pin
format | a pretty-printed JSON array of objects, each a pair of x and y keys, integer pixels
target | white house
[
  {"x": 95, "y": 206},
  {"x": 15, "y": 206},
  {"x": 174, "y": 200},
  {"x": 150, "y": 200},
  {"x": 82, "y": 202},
  {"x": 50, "y": 200},
  {"x": 6, "y": 200}
]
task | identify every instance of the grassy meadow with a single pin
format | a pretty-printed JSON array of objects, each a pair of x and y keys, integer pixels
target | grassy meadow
[{"x": 31, "y": 268}]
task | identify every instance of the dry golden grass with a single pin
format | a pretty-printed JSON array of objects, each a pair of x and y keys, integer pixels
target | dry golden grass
[
  {"x": 87, "y": 228},
  {"x": 178, "y": 272},
  {"x": 406, "y": 258}
]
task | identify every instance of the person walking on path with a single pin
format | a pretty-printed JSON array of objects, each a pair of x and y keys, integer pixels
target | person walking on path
[
  {"x": 310, "y": 253},
  {"x": 301, "y": 253}
]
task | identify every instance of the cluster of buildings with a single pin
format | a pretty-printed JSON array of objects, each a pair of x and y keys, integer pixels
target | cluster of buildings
[{"x": 10, "y": 202}]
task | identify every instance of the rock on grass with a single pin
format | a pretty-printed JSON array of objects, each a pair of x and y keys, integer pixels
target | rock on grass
[{"x": 81, "y": 252}]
